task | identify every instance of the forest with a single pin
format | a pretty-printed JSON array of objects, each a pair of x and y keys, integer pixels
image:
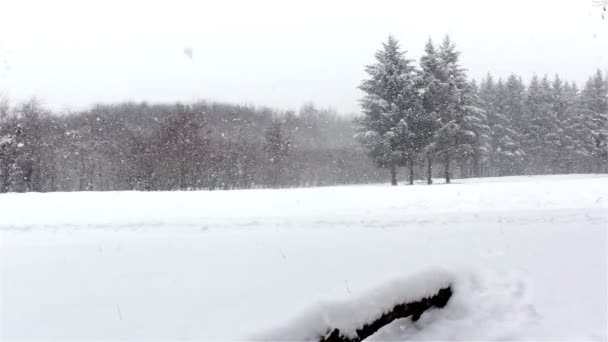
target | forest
[{"x": 430, "y": 120}]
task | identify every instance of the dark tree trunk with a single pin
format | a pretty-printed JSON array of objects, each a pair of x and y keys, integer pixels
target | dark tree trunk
[
  {"x": 83, "y": 173},
  {"x": 182, "y": 174},
  {"x": 411, "y": 167},
  {"x": 393, "y": 168},
  {"x": 414, "y": 309},
  {"x": 429, "y": 170},
  {"x": 4, "y": 176},
  {"x": 447, "y": 169},
  {"x": 476, "y": 166}
]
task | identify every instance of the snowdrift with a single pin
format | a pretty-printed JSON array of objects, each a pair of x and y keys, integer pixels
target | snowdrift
[
  {"x": 486, "y": 304},
  {"x": 347, "y": 318}
]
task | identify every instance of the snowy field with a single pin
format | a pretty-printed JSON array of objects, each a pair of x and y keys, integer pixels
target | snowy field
[{"x": 527, "y": 256}]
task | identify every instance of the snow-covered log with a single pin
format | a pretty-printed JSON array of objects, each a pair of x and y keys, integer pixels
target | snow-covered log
[
  {"x": 413, "y": 309},
  {"x": 357, "y": 319}
]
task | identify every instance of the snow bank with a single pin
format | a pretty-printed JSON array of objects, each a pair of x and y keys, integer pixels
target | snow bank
[{"x": 348, "y": 316}]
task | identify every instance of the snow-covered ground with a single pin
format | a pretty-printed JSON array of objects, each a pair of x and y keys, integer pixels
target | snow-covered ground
[{"x": 527, "y": 255}]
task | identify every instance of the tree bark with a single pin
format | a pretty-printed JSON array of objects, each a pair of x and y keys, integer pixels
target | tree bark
[
  {"x": 429, "y": 170},
  {"x": 414, "y": 309},
  {"x": 393, "y": 168},
  {"x": 411, "y": 167},
  {"x": 81, "y": 180},
  {"x": 476, "y": 165},
  {"x": 4, "y": 178},
  {"x": 447, "y": 169}
]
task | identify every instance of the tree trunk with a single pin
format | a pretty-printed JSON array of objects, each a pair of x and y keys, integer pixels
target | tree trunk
[
  {"x": 4, "y": 176},
  {"x": 393, "y": 174},
  {"x": 82, "y": 173},
  {"x": 476, "y": 166},
  {"x": 429, "y": 170},
  {"x": 182, "y": 177},
  {"x": 447, "y": 169},
  {"x": 411, "y": 167}
]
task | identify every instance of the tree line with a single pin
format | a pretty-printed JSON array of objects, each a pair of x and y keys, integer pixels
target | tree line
[
  {"x": 430, "y": 119},
  {"x": 434, "y": 115},
  {"x": 139, "y": 146}
]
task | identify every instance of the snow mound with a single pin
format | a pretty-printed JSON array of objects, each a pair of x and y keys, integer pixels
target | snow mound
[
  {"x": 351, "y": 315},
  {"x": 484, "y": 305}
]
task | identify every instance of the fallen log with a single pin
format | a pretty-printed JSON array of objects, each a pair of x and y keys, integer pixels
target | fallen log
[
  {"x": 414, "y": 309},
  {"x": 361, "y": 316}
]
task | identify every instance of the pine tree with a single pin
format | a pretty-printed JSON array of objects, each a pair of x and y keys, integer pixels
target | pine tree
[
  {"x": 475, "y": 141},
  {"x": 573, "y": 132},
  {"x": 433, "y": 91},
  {"x": 460, "y": 119},
  {"x": 540, "y": 129},
  {"x": 561, "y": 149},
  {"x": 488, "y": 101},
  {"x": 389, "y": 106},
  {"x": 595, "y": 99},
  {"x": 505, "y": 151},
  {"x": 512, "y": 106}
]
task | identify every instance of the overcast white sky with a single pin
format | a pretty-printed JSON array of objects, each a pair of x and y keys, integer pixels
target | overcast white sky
[{"x": 276, "y": 53}]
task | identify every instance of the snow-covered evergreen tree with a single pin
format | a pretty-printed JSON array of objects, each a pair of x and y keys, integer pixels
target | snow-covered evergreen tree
[
  {"x": 433, "y": 93},
  {"x": 539, "y": 134},
  {"x": 389, "y": 108},
  {"x": 595, "y": 99},
  {"x": 475, "y": 142},
  {"x": 573, "y": 132},
  {"x": 563, "y": 151},
  {"x": 506, "y": 153},
  {"x": 462, "y": 123},
  {"x": 511, "y": 104}
]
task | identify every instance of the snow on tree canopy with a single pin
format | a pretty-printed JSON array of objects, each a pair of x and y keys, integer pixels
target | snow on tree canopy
[{"x": 390, "y": 106}]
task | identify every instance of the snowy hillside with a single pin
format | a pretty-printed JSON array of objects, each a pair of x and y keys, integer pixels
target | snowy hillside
[{"x": 527, "y": 256}]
